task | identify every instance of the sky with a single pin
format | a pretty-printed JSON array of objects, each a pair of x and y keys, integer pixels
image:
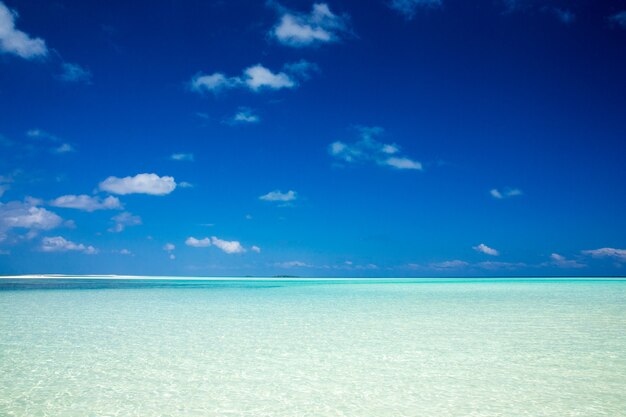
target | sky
[{"x": 379, "y": 138}]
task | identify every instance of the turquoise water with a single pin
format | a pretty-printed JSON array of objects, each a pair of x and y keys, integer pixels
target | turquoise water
[{"x": 314, "y": 348}]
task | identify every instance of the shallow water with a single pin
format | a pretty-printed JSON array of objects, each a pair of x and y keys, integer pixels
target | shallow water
[{"x": 523, "y": 347}]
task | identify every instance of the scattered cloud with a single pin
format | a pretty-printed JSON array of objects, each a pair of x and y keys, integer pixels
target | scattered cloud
[
  {"x": 123, "y": 220},
  {"x": 490, "y": 265},
  {"x": 16, "y": 42},
  {"x": 292, "y": 264},
  {"x": 409, "y": 8},
  {"x": 60, "y": 244},
  {"x": 198, "y": 243},
  {"x": 255, "y": 249},
  {"x": 486, "y": 250},
  {"x": 617, "y": 254},
  {"x": 319, "y": 26},
  {"x": 182, "y": 157},
  {"x": 244, "y": 115},
  {"x": 278, "y": 195},
  {"x": 562, "y": 262},
  {"x": 619, "y": 19},
  {"x": 74, "y": 73},
  {"x": 124, "y": 252},
  {"x": 139, "y": 184},
  {"x": 369, "y": 150},
  {"x": 255, "y": 78},
  {"x": 27, "y": 215},
  {"x": 86, "y": 202},
  {"x": 229, "y": 247},
  {"x": 168, "y": 247},
  {"x": 185, "y": 184},
  {"x": 505, "y": 193},
  {"x": 64, "y": 148},
  {"x": 447, "y": 265}
]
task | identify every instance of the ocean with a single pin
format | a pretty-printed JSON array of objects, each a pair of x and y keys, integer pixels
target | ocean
[{"x": 289, "y": 347}]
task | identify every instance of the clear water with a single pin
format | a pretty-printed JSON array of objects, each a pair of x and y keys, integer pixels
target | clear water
[{"x": 315, "y": 348}]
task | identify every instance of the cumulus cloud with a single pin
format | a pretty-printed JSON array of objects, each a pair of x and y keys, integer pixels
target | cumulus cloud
[
  {"x": 369, "y": 150},
  {"x": 139, "y": 184},
  {"x": 617, "y": 254},
  {"x": 123, "y": 220},
  {"x": 198, "y": 243},
  {"x": 278, "y": 195},
  {"x": 168, "y": 247},
  {"x": 562, "y": 262},
  {"x": 74, "y": 73},
  {"x": 16, "y": 42},
  {"x": 244, "y": 115},
  {"x": 60, "y": 244},
  {"x": 500, "y": 265},
  {"x": 319, "y": 26},
  {"x": 229, "y": 247},
  {"x": 408, "y": 8},
  {"x": 255, "y": 78},
  {"x": 27, "y": 215},
  {"x": 505, "y": 193},
  {"x": 87, "y": 203},
  {"x": 182, "y": 157},
  {"x": 64, "y": 148},
  {"x": 255, "y": 249},
  {"x": 486, "y": 250}
]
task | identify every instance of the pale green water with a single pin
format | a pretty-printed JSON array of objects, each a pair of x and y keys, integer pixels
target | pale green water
[{"x": 318, "y": 348}]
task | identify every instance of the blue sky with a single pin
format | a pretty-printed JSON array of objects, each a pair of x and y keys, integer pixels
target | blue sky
[{"x": 340, "y": 138}]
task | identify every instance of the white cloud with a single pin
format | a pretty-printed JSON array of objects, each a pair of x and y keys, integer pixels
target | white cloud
[
  {"x": 198, "y": 243},
  {"x": 500, "y": 265},
  {"x": 562, "y": 262},
  {"x": 255, "y": 249},
  {"x": 75, "y": 73},
  {"x": 505, "y": 193},
  {"x": 445, "y": 265},
  {"x": 214, "y": 82},
  {"x": 185, "y": 184},
  {"x": 619, "y": 19},
  {"x": 618, "y": 254},
  {"x": 408, "y": 8},
  {"x": 403, "y": 163},
  {"x": 17, "y": 214},
  {"x": 182, "y": 157},
  {"x": 370, "y": 150},
  {"x": 139, "y": 184},
  {"x": 255, "y": 78},
  {"x": 318, "y": 27},
  {"x": 60, "y": 244},
  {"x": 258, "y": 77},
  {"x": 124, "y": 252},
  {"x": 124, "y": 220},
  {"x": 168, "y": 247},
  {"x": 229, "y": 247},
  {"x": 64, "y": 148},
  {"x": 278, "y": 195},
  {"x": 292, "y": 264},
  {"x": 14, "y": 41},
  {"x": 486, "y": 250},
  {"x": 244, "y": 116},
  {"x": 86, "y": 203}
]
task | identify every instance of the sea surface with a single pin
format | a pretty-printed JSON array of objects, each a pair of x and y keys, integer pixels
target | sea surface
[{"x": 371, "y": 347}]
